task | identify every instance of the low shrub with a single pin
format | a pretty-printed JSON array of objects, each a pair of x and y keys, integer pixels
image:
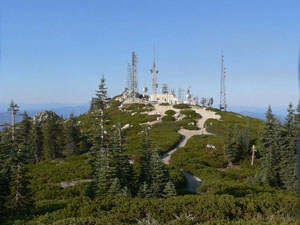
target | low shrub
[
  {"x": 168, "y": 118},
  {"x": 181, "y": 106},
  {"x": 170, "y": 112}
]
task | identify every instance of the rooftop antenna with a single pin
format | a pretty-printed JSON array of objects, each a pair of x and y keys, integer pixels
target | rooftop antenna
[
  {"x": 223, "y": 104},
  {"x": 154, "y": 73}
]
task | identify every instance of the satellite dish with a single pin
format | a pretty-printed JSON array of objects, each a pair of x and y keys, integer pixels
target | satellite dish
[{"x": 145, "y": 89}]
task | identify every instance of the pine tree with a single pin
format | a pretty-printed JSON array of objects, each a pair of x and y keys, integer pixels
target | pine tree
[
  {"x": 144, "y": 191},
  {"x": 231, "y": 146},
  {"x": 52, "y": 132},
  {"x": 288, "y": 157},
  {"x": 72, "y": 135},
  {"x": 99, "y": 135},
  {"x": 124, "y": 168},
  {"x": 5, "y": 166},
  {"x": 100, "y": 101},
  {"x": 23, "y": 137},
  {"x": 169, "y": 190},
  {"x": 145, "y": 159},
  {"x": 271, "y": 142},
  {"x": 19, "y": 201},
  {"x": 36, "y": 141},
  {"x": 115, "y": 188},
  {"x": 159, "y": 175}
]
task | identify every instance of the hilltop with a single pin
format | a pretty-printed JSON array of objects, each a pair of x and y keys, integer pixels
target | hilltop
[{"x": 191, "y": 142}]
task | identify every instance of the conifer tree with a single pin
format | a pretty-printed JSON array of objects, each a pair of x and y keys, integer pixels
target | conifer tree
[
  {"x": 23, "y": 137},
  {"x": 36, "y": 141},
  {"x": 5, "y": 166},
  {"x": 99, "y": 134},
  {"x": 144, "y": 191},
  {"x": 231, "y": 146},
  {"x": 271, "y": 142},
  {"x": 169, "y": 190},
  {"x": 145, "y": 159},
  {"x": 159, "y": 174},
  {"x": 19, "y": 201},
  {"x": 72, "y": 135},
  {"x": 52, "y": 132},
  {"x": 121, "y": 159},
  {"x": 288, "y": 157},
  {"x": 115, "y": 188}
]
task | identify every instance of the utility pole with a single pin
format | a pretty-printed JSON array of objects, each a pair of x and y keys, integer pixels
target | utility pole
[{"x": 253, "y": 154}]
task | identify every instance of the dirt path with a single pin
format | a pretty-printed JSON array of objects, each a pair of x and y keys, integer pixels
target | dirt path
[{"x": 193, "y": 181}]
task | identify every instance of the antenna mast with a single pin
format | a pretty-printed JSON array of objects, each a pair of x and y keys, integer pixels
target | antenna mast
[
  {"x": 133, "y": 77},
  {"x": 154, "y": 75},
  {"x": 223, "y": 104}
]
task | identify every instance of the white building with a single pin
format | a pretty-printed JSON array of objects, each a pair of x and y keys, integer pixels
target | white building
[{"x": 163, "y": 98}]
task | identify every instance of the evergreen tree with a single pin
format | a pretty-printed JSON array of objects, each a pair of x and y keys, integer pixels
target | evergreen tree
[
  {"x": 124, "y": 168},
  {"x": 36, "y": 141},
  {"x": 144, "y": 191},
  {"x": 169, "y": 190},
  {"x": 159, "y": 175},
  {"x": 19, "y": 201},
  {"x": 23, "y": 137},
  {"x": 52, "y": 132},
  {"x": 99, "y": 135},
  {"x": 72, "y": 135},
  {"x": 288, "y": 157},
  {"x": 100, "y": 102},
  {"x": 145, "y": 159},
  {"x": 271, "y": 142},
  {"x": 231, "y": 148},
  {"x": 115, "y": 188},
  {"x": 5, "y": 166}
]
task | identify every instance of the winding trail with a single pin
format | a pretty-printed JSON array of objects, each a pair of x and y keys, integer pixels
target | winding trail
[{"x": 193, "y": 182}]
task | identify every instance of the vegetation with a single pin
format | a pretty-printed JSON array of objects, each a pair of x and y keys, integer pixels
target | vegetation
[
  {"x": 105, "y": 167},
  {"x": 181, "y": 106}
]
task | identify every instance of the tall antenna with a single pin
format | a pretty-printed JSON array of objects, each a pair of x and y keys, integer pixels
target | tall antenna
[
  {"x": 154, "y": 73},
  {"x": 223, "y": 104},
  {"x": 128, "y": 81},
  {"x": 133, "y": 77}
]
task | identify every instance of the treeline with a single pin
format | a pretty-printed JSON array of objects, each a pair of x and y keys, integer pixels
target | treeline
[
  {"x": 276, "y": 149},
  {"x": 48, "y": 136},
  {"x": 111, "y": 169}
]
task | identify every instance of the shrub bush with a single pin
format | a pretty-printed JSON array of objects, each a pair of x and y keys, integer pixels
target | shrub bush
[
  {"x": 170, "y": 112},
  {"x": 168, "y": 118},
  {"x": 181, "y": 106}
]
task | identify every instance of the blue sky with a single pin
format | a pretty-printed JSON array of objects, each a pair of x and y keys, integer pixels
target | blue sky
[{"x": 56, "y": 50}]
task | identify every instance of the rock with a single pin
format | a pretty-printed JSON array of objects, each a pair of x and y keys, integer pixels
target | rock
[
  {"x": 210, "y": 146},
  {"x": 126, "y": 127}
]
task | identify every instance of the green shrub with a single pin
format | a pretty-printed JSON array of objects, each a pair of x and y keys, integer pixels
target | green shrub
[
  {"x": 168, "y": 118},
  {"x": 170, "y": 112},
  {"x": 164, "y": 104},
  {"x": 181, "y": 106}
]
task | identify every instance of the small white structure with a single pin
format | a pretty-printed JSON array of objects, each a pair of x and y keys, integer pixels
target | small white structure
[{"x": 163, "y": 98}]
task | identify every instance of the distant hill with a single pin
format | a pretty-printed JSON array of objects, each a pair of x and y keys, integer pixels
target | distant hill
[
  {"x": 32, "y": 110},
  {"x": 259, "y": 112}
]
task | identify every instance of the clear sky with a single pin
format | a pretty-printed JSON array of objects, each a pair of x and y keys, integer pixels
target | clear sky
[{"x": 56, "y": 50}]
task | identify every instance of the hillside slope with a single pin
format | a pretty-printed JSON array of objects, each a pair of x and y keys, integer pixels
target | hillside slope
[{"x": 191, "y": 142}]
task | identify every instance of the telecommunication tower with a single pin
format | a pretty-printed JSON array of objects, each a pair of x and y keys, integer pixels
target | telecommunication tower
[
  {"x": 223, "y": 104},
  {"x": 154, "y": 73},
  {"x": 165, "y": 89},
  {"x": 180, "y": 95},
  {"x": 133, "y": 76}
]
